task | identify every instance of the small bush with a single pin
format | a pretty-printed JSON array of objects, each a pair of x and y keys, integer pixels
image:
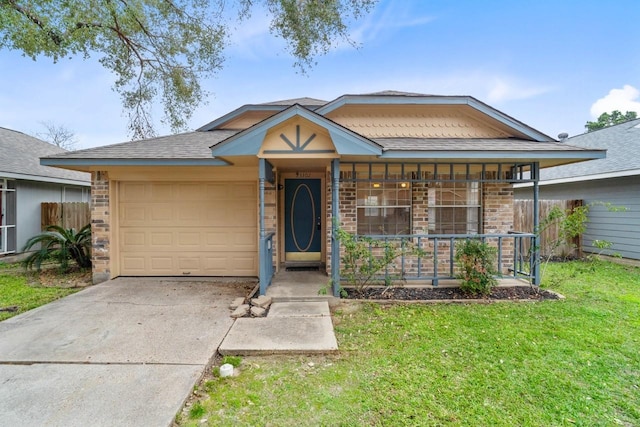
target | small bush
[
  {"x": 366, "y": 260},
  {"x": 476, "y": 260},
  {"x": 61, "y": 245}
]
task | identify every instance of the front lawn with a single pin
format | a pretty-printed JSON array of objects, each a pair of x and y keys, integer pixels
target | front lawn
[
  {"x": 553, "y": 363},
  {"x": 20, "y": 292}
]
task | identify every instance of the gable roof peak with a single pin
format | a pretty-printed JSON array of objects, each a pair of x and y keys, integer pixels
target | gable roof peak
[
  {"x": 395, "y": 93},
  {"x": 306, "y": 101}
]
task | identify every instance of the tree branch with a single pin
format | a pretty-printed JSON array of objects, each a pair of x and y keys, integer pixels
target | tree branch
[{"x": 54, "y": 36}]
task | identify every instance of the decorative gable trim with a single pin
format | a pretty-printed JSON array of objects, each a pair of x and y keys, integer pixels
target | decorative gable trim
[
  {"x": 249, "y": 141},
  {"x": 299, "y": 146}
]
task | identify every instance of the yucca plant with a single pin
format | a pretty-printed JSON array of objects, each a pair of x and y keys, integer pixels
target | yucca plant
[{"x": 61, "y": 245}]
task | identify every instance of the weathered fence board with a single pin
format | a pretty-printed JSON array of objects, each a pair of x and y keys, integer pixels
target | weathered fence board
[
  {"x": 523, "y": 221},
  {"x": 67, "y": 215}
]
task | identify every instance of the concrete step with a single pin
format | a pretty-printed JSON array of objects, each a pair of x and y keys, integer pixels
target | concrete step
[{"x": 289, "y": 328}]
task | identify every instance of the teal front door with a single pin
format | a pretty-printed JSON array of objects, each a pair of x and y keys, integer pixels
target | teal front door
[{"x": 302, "y": 220}]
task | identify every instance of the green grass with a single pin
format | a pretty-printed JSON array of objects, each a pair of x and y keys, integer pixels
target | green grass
[
  {"x": 15, "y": 291},
  {"x": 574, "y": 362}
]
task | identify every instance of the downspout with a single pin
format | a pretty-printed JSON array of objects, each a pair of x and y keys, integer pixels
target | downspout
[
  {"x": 535, "y": 174},
  {"x": 335, "y": 216},
  {"x": 262, "y": 254}
]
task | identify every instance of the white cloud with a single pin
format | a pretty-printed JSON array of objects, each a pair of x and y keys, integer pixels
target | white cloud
[
  {"x": 503, "y": 89},
  {"x": 251, "y": 38},
  {"x": 623, "y": 100},
  {"x": 395, "y": 16}
]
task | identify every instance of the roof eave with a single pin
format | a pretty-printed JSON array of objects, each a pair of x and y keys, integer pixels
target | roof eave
[
  {"x": 493, "y": 155},
  {"x": 71, "y": 162},
  {"x": 39, "y": 178}
]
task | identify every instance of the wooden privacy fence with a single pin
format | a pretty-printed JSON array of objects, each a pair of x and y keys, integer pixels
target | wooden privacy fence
[
  {"x": 67, "y": 215},
  {"x": 523, "y": 221}
]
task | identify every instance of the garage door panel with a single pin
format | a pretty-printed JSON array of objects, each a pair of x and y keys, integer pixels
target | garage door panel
[
  {"x": 159, "y": 213},
  {"x": 159, "y": 191},
  {"x": 134, "y": 240},
  {"x": 241, "y": 265},
  {"x": 207, "y": 229},
  {"x": 132, "y": 191},
  {"x": 155, "y": 264},
  {"x": 231, "y": 239},
  {"x": 189, "y": 192}
]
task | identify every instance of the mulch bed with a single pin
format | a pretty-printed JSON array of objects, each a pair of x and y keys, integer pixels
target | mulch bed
[{"x": 508, "y": 293}]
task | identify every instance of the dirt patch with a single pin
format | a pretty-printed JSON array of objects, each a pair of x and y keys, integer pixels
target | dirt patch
[
  {"x": 54, "y": 278},
  {"x": 514, "y": 293},
  {"x": 50, "y": 276}
]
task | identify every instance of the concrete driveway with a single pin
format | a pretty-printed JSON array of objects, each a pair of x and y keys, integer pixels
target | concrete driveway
[{"x": 125, "y": 352}]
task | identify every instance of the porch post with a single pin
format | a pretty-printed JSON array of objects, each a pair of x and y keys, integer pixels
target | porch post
[
  {"x": 535, "y": 174},
  {"x": 262, "y": 252},
  {"x": 335, "y": 216}
]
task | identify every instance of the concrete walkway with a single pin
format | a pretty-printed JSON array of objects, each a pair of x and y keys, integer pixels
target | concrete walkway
[
  {"x": 125, "y": 352},
  {"x": 298, "y": 327},
  {"x": 298, "y": 322}
]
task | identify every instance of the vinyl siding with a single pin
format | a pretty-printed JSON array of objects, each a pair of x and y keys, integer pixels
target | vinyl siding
[
  {"x": 620, "y": 228},
  {"x": 30, "y": 195}
]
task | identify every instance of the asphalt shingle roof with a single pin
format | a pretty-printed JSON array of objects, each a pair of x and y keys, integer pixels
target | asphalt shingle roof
[
  {"x": 20, "y": 155},
  {"x": 190, "y": 145},
  {"x": 622, "y": 143},
  {"x": 480, "y": 144},
  {"x": 196, "y": 145},
  {"x": 302, "y": 101}
]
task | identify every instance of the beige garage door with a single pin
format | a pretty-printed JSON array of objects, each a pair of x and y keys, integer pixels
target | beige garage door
[{"x": 194, "y": 229}]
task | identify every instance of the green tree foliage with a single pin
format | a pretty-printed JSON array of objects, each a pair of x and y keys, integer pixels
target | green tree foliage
[
  {"x": 163, "y": 49},
  {"x": 60, "y": 245},
  {"x": 610, "y": 119}
]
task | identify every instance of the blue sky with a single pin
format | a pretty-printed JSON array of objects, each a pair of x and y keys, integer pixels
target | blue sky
[{"x": 551, "y": 64}]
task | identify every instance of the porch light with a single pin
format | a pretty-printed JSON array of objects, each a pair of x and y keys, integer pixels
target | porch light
[
  {"x": 403, "y": 184},
  {"x": 376, "y": 185}
]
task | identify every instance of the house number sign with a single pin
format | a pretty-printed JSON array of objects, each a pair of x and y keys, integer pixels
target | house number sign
[{"x": 303, "y": 174}]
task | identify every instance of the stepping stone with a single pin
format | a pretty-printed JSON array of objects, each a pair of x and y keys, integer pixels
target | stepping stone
[
  {"x": 241, "y": 311},
  {"x": 280, "y": 335},
  {"x": 262, "y": 301},
  {"x": 299, "y": 309},
  {"x": 258, "y": 312},
  {"x": 236, "y": 303}
]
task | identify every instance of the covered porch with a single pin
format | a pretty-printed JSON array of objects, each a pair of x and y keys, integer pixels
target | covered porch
[{"x": 427, "y": 213}]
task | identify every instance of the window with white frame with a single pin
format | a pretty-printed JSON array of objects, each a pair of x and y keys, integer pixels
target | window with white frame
[
  {"x": 7, "y": 216},
  {"x": 383, "y": 208},
  {"x": 455, "y": 208}
]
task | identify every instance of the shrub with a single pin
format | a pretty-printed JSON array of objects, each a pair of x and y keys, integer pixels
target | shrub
[
  {"x": 365, "y": 260},
  {"x": 476, "y": 260},
  {"x": 61, "y": 245}
]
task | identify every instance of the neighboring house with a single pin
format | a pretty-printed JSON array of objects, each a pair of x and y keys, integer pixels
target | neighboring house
[
  {"x": 25, "y": 184},
  {"x": 613, "y": 180},
  {"x": 267, "y": 184}
]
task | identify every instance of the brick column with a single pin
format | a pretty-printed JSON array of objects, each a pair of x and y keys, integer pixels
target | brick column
[
  {"x": 100, "y": 224},
  {"x": 498, "y": 217}
]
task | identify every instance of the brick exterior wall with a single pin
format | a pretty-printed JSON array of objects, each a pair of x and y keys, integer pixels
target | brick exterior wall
[
  {"x": 100, "y": 227},
  {"x": 497, "y": 201}
]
